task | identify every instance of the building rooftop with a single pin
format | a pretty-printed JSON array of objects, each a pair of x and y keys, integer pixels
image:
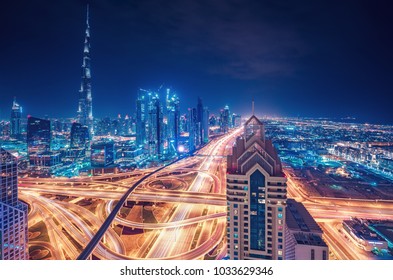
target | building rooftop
[
  {"x": 6, "y": 157},
  {"x": 298, "y": 218},
  {"x": 361, "y": 230},
  {"x": 309, "y": 239}
]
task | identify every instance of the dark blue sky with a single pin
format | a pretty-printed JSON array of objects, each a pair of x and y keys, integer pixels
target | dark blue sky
[{"x": 296, "y": 58}]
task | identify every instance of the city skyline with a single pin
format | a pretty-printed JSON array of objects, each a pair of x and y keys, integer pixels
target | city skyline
[
  {"x": 301, "y": 66},
  {"x": 254, "y": 131}
]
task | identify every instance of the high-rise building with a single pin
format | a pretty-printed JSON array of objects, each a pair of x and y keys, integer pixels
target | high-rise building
[
  {"x": 205, "y": 126},
  {"x": 85, "y": 108},
  {"x": 38, "y": 135},
  {"x": 15, "y": 121},
  {"x": 79, "y": 136},
  {"x": 142, "y": 113},
  {"x": 13, "y": 213},
  {"x": 172, "y": 121},
  {"x": 303, "y": 236},
  {"x": 102, "y": 154},
  {"x": 193, "y": 129},
  {"x": 256, "y": 197},
  {"x": 157, "y": 123},
  {"x": 155, "y": 131},
  {"x": 225, "y": 119}
]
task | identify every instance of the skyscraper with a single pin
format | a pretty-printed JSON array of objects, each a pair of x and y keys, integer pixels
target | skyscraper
[
  {"x": 85, "y": 109},
  {"x": 79, "y": 136},
  {"x": 172, "y": 123},
  {"x": 256, "y": 197},
  {"x": 192, "y": 129},
  {"x": 13, "y": 213},
  {"x": 225, "y": 119},
  {"x": 155, "y": 139},
  {"x": 142, "y": 113},
  {"x": 16, "y": 116},
  {"x": 38, "y": 135},
  {"x": 205, "y": 126}
]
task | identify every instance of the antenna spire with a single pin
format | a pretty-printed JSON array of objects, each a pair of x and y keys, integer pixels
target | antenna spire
[
  {"x": 87, "y": 14},
  {"x": 253, "y": 106}
]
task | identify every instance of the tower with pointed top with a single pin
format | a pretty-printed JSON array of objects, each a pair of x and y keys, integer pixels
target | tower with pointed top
[
  {"x": 256, "y": 197},
  {"x": 16, "y": 116},
  {"x": 85, "y": 108}
]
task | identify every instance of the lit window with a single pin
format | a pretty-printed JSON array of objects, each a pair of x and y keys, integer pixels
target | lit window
[
  {"x": 279, "y": 215},
  {"x": 279, "y": 252}
]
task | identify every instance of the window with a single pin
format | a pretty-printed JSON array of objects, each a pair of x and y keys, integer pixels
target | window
[
  {"x": 280, "y": 252},
  {"x": 312, "y": 254},
  {"x": 279, "y": 215},
  {"x": 280, "y": 234},
  {"x": 235, "y": 223},
  {"x": 235, "y": 205},
  {"x": 324, "y": 255},
  {"x": 279, "y": 209},
  {"x": 236, "y": 235},
  {"x": 235, "y": 229}
]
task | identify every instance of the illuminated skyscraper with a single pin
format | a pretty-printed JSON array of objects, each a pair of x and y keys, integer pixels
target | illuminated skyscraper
[
  {"x": 172, "y": 122},
  {"x": 155, "y": 125},
  {"x": 256, "y": 197},
  {"x": 79, "y": 136},
  {"x": 38, "y": 135},
  {"x": 225, "y": 119},
  {"x": 13, "y": 213},
  {"x": 142, "y": 113},
  {"x": 205, "y": 126},
  {"x": 85, "y": 109},
  {"x": 15, "y": 121},
  {"x": 192, "y": 129}
]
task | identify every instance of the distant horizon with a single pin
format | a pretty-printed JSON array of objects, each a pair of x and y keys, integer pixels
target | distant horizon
[{"x": 347, "y": 119}]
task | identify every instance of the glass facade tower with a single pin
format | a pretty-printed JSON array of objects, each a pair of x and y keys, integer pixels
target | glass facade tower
[
  {"x": 256, "y": 197},
  {"x": 13, "y": 213}
]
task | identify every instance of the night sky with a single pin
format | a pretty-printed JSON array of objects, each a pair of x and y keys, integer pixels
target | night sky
[{"x": 296, "y": 58}]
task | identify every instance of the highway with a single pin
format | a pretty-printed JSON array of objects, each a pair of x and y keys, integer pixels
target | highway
[
  {"x": 330, "y": 212},
  {"x": 196, "y": 222}
]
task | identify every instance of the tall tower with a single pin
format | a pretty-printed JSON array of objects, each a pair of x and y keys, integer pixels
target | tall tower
[
  {"x": 85, "y": 108},
  {"x": 256, "y": 197},
  {"x": 16, "y": 115},
  {"x": 13, "y": 213}
]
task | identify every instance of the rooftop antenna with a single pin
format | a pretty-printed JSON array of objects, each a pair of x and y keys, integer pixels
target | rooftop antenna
[
  {"x": 87, "y": 14},
  {"x": 253, "y": 106}
]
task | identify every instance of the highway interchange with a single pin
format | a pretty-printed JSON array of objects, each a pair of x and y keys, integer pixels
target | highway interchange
[{"x": 194, "y": 228}]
